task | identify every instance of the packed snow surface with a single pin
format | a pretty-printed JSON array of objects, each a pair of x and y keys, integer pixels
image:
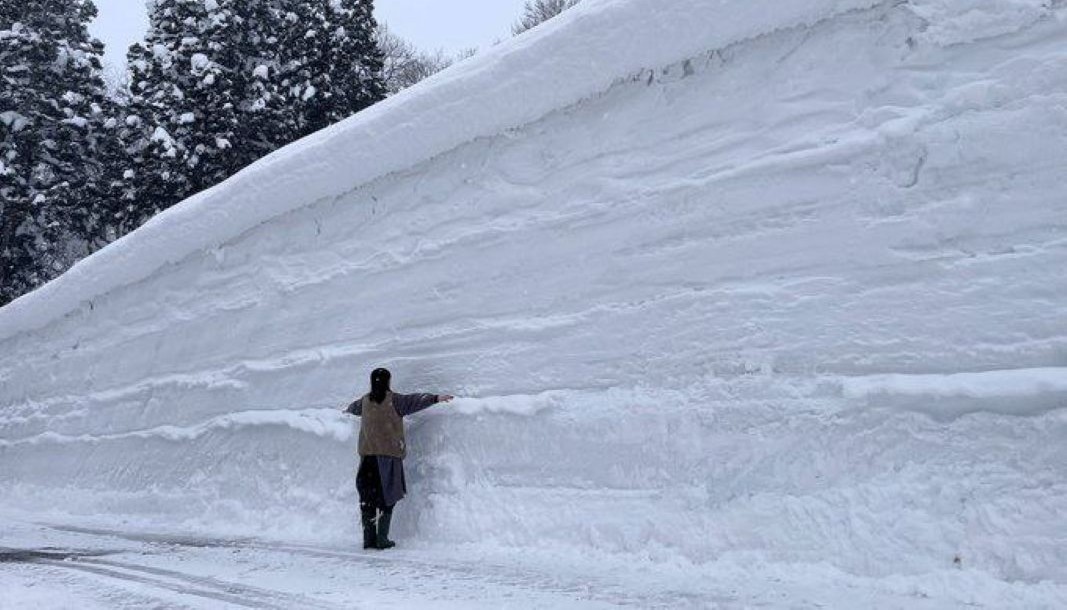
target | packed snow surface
[{"x": 745, "y": 303}]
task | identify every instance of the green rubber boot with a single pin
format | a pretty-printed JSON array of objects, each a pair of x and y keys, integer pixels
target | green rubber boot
[
  {"x": 384, "y": 520},
  {"x": 370, "y": 532}
]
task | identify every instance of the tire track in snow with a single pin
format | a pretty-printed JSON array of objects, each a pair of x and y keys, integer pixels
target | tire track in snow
[
  {"x": 510, "y": 577},
  {"x": 171, "y": 580}
]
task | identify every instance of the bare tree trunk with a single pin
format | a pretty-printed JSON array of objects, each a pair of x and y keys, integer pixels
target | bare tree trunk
[{"x": 536, "y": 12}]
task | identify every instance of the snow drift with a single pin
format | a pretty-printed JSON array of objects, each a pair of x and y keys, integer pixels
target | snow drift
[{"x": 720, "y": 283}]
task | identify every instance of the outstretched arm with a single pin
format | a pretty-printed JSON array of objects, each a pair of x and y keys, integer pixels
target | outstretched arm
[
  {"x": 356, "y": 408},
  {"x": 406, "y": 404}
]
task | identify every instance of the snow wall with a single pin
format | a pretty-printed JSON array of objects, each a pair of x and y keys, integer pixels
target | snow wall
[{"x": 730, "y": 279}]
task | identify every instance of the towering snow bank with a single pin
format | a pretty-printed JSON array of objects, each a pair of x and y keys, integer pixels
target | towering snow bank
[
  {"x": 575, "y": 57},
  {"x": 791, "y": 295}
]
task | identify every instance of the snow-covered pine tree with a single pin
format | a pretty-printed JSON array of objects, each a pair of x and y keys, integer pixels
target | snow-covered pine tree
[
  {"x": 52, "y": 108},
  {"x": 182, "y": 116},
  {"x": 328, "y": 65},
  {"x": 217, "y": 84}
]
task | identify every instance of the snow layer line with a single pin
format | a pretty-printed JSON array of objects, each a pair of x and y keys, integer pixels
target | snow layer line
[
  {"x": 986, "y": 384},
  {"x": 320, "y": 422}
]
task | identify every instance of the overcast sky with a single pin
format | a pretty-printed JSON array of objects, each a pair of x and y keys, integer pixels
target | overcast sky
[{"x": 450, "y": 25}]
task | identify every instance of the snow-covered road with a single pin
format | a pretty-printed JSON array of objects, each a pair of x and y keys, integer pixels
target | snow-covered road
[
  {"x": 56, "y": 564},
  {"x": 44, "y": 564}
]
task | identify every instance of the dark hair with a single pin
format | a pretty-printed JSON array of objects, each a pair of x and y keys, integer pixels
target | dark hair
[{"x": 379, "y": 384}]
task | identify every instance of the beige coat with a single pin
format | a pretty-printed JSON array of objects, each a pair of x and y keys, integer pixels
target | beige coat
[{"x": 381, "y": 431}]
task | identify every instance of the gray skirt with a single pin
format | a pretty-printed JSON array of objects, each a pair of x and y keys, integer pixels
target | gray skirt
[{"x": 380, "y": 480}]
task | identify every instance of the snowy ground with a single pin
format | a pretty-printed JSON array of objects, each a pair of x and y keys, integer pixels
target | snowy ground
[
  {"x": 54, "y": 565},
  {"x": 774, "y": 321}
]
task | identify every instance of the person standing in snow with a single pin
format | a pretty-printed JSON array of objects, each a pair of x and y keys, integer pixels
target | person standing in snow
[{"x": 380, "y": 479}]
